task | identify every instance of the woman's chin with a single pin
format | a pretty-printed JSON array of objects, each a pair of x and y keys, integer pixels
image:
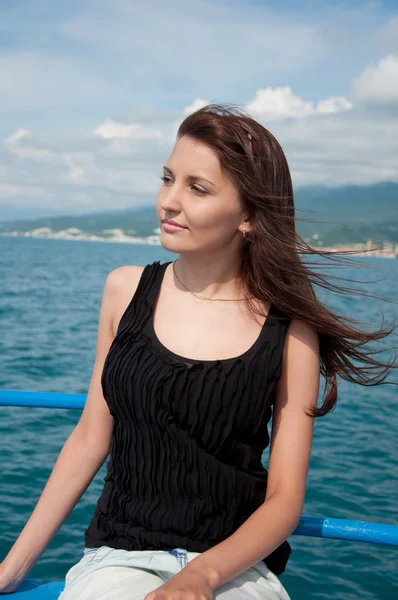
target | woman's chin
[{"x": 168, "y": 243}]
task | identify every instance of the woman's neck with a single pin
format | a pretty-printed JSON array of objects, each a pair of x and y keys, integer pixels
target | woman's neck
[{"x": 210, "y": 277}]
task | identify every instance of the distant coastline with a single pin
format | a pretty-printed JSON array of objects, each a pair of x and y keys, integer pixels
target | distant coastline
[
  {"x": 389, "y": 250},
  {"x": 73, "y": 233},
  {"x": 349, "y": 217}
]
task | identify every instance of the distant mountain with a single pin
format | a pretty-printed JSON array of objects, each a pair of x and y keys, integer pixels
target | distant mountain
[
  {"x": 10, "y": 213},
  {"x": 138, "y": 220},
  {"x": 348, "y": 214},
  {"x": 364, "y": 209}
]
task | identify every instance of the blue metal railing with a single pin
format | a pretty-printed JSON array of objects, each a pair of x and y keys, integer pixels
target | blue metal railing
[{"x": 338, "y": 529}]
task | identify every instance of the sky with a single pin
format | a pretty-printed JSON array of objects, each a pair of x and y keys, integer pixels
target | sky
[{"x": 92, "y": 92}]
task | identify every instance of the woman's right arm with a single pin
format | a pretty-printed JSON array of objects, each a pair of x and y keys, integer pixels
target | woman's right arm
[{"x": 82, "y": 455}]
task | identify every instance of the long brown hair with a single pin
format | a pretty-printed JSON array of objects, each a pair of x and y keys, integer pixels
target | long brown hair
[{"x": 271, "y": 266}]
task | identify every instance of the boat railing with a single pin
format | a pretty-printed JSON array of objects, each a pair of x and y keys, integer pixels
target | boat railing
[{"x": 323, "y": 527}]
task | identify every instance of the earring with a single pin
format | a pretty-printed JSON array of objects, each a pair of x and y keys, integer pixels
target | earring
[{"x": 244, "y": 233}]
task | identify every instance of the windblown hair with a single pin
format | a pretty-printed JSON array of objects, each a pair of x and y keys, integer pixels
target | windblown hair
[{"x": 271, "y": 266}]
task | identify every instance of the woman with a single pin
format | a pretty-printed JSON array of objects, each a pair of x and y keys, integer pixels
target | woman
[{"x": 193, "y": 358}]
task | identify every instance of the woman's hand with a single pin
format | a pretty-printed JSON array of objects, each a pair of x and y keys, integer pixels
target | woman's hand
[
  {"x": 189, "y": 583},
  {"x": 8, "y": 583}
]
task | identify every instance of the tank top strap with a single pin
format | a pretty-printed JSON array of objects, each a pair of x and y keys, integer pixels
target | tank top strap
[
  {"x": 274, "y": 311},
  {"x": 144, "y": 297},
  {"x": 280, "y": 323},
  {"x": 155, "y": 278}
]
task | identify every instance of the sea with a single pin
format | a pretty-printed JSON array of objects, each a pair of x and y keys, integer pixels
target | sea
[{"x": 50, "y": 297}]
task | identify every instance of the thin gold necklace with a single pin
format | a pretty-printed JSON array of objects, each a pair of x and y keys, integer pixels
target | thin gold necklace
[{"x": 204, "y": 297}]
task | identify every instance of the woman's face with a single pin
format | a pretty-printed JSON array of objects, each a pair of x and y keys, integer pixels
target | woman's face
[{"x": 197, "y": 195}]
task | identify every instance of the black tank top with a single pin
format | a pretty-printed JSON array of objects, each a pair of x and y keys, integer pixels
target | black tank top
[{"x": 185, "y": 468}]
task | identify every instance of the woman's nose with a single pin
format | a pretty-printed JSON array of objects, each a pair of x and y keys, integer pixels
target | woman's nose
[{"x": 171, "y": 199}]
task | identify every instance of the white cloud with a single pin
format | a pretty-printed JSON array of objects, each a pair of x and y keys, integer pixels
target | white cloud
[
  {"x": 14, "y": 145},
  {"x": 196, "y": 105},
  {"x": 76, "y": 173},
  {"x": 18, "y": 135},
  {"x": 378, "y": 83},
  {"x": 113, "y": 130},
  {"x": 280, "y": 103},
  {"x": 333, "y": 105}
]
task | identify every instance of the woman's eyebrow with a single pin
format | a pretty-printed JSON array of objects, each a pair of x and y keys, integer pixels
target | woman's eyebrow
[{"x": 190, "y": 177}]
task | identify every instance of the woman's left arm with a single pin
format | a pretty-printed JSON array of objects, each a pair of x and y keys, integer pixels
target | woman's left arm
[
  {"x": 276, "y": 519},
  {"x": 290, "y": 449}
]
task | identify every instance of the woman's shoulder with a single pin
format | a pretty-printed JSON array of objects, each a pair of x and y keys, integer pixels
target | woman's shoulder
[
  {"x": 124, "y": 277},
  {"x": 302, "y": 337},
  {"x": 128, "y": 276},
  {"x": 120, "y": 286}
]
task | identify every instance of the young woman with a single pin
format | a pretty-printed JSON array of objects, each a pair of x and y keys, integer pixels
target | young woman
[{"x": 193, "y": 358}]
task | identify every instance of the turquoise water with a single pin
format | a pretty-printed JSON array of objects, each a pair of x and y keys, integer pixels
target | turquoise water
[{"x": 49, "y": 302}]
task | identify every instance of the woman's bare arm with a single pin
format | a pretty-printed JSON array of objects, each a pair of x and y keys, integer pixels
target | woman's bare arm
[
  {"x": 290, "y": 449},
  {"x": 84, "y": 451}
]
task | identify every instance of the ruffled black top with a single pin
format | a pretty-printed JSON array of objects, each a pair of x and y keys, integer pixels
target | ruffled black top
[{"x": 185, "y": 466}]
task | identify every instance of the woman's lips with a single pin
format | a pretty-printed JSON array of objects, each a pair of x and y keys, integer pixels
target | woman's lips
[{"x": 171, "y": 227}]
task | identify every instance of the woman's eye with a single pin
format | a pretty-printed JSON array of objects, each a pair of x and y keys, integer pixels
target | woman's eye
[{"x": 199, "y": 191}]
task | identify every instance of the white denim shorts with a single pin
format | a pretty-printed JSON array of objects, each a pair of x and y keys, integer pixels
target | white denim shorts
[{"x": 107, "y": 573}]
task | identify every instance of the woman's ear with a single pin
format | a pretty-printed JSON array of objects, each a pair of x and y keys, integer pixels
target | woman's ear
[{"x": 245, "y": 225}]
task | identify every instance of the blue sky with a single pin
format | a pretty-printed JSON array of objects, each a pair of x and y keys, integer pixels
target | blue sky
[{"x": 92, "y": 92}]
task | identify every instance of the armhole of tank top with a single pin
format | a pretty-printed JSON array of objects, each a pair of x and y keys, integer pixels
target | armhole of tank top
[
  {"x": 283, "y": 327},
  {"x": 145, "y": 275}
]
